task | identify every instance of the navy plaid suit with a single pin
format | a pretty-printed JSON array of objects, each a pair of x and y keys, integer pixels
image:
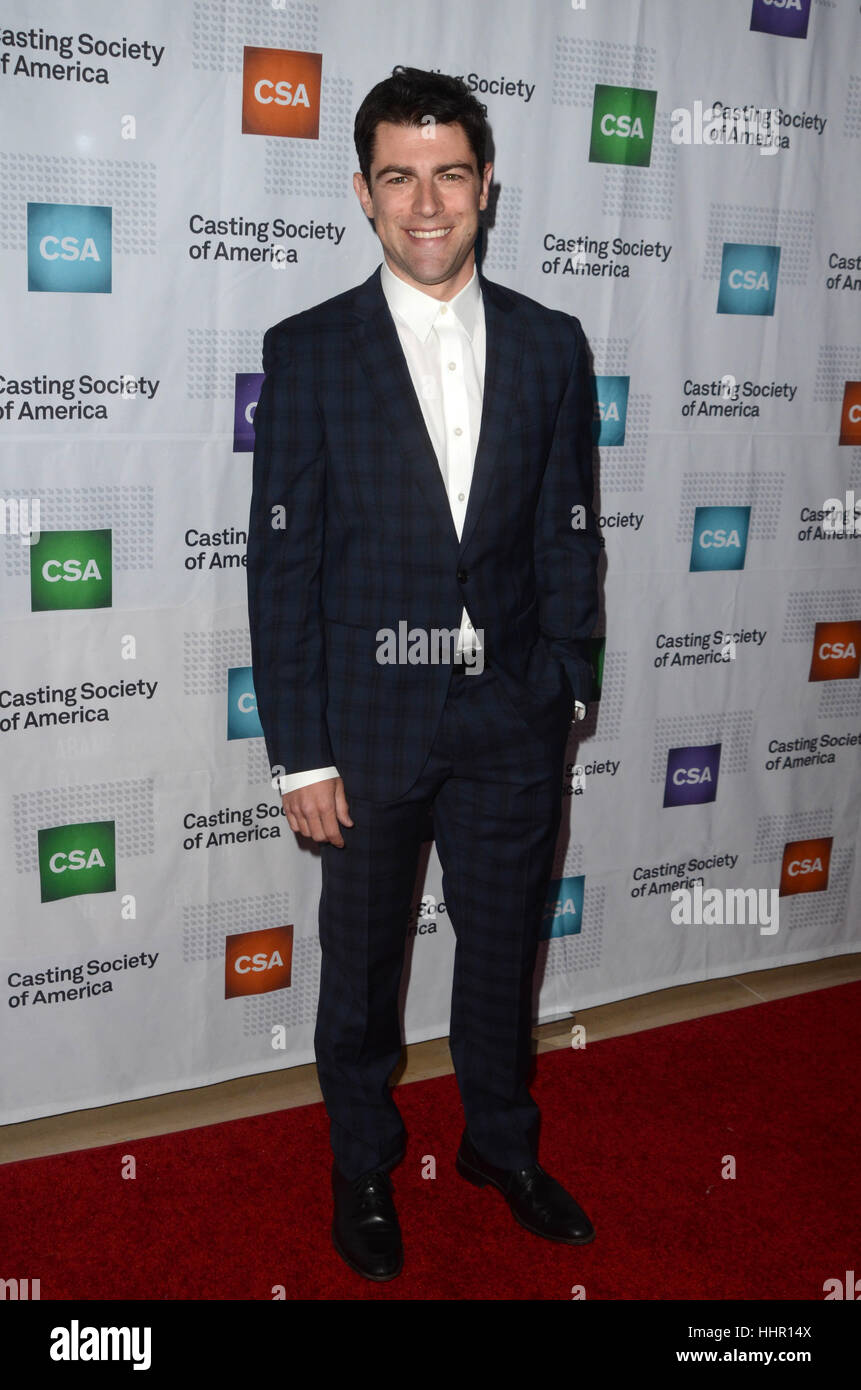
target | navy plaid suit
[{"x": 363, "y": 540}]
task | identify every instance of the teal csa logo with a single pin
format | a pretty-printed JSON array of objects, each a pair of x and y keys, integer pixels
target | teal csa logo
[
  {"x": 623, "y": 121},
  {"x": 748, "y": 279},
  {"x": 563, "y": 910},
  {"x": 243, "y": 720},
  {"x": 720, "y": 538},
  {"x": 71, "y": 569},
  {"x": 75, "y": 859},
  {"x": 68, "y": 248},
  {"x": 610, "y": 410}
]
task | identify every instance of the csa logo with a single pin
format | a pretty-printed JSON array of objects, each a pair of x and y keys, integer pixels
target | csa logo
[
  {"x": 836, "y": 652},
  {"x": 70, "y": 569},
  {"x": 692, "y": 775},
  {"x": 623, "y": 120},
  {"x": 805, "y": 867},
  {"x": 748, "y": 279},
  {"x": 611, "y": 410},
  {"x": 789, "y": 18},
  {"x": 68, "y": 248},
  {"x": 243, "y": 720},
  {"x": 563, "y": 910},
  {"x": 246, "y": 393},
  {"x": 75, "y": 859},
  {"x": 281, "y": 93},
  {"x": 850, "y": 416},
  {"x": 720, "y": 538},
  {"x": 256, "y": 962}
]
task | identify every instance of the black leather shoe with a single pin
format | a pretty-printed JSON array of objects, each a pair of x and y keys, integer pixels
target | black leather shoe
[
  {"x": 537, "y": 1201},
  {"x": 366, "y": 1232}
]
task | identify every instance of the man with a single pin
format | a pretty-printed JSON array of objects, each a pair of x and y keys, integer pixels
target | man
[{"x": 423, "y": 465}]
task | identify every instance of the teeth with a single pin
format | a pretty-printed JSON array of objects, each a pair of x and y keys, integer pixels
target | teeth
[{"x": 443, "y": 231}]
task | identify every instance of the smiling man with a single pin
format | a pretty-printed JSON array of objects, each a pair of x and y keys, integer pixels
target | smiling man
[{"x": 423, "y": 464}]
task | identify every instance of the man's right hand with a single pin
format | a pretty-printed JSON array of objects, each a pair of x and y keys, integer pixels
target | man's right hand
[{"x": 315, "y": 810}]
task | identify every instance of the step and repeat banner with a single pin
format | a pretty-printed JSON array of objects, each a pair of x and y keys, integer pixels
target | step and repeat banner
[{"x": 175, "y": 177}]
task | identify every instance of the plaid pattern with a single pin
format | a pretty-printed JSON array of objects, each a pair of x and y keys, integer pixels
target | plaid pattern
[
  {"x": 350, "y": 532},
  {"x": 495, "y": 788}
]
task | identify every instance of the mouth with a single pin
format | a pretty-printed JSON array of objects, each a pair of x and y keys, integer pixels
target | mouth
[{"x": 435, "y": 235}]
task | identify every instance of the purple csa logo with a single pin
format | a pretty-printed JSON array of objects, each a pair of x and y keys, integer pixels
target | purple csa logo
[
  {"x": 248, "y": 386},
  {"x": 785, "y": 17},
  {"x": 692, "y": 775}
]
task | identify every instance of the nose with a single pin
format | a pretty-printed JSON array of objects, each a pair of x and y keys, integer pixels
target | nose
[{"x": 428, "y": 201}]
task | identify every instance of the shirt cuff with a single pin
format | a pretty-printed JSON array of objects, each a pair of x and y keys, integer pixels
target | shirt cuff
[{"x": 292, "y": 781}]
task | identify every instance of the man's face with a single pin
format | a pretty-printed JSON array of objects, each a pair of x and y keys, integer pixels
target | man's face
[{"x": 425, "y": 195}]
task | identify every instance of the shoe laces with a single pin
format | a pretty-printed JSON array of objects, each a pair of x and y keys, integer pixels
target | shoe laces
[
  {"x": 373, "y": 1190},
  {"x": 527, "y": 1179}
]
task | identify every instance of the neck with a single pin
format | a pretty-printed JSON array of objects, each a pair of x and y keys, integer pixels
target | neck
[{"x": 446, "y": 289}]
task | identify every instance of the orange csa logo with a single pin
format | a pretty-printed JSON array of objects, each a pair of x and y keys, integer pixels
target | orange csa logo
[
  {"x": 836, "y": 652},
  {"x": 281, "y": 93},
  {"x": 850, "y": 416},
  {"x": 805, "y": 866},
  {"x": 258, "y": 961}
]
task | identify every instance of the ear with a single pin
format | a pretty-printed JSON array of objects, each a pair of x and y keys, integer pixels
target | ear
[
  {"x": 363, "y": 195},
  {"x": 485, "y": 186}
]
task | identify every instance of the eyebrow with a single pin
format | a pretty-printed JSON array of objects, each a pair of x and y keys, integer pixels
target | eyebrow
[{"x": 407, "y": 169}]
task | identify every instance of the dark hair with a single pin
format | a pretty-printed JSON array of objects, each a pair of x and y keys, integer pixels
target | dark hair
[{"x": 409, "y": 97}]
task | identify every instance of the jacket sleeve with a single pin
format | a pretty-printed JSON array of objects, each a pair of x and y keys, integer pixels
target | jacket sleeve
[
  {"x": 286, "y": 532},
  {"x": 567, "y": 543}
]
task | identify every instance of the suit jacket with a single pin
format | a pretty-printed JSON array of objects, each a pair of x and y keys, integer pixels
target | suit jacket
[{"x": 350, "y": 532}]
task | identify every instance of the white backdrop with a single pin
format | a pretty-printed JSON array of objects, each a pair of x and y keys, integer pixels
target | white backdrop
[{"x": 153, "y": 937}]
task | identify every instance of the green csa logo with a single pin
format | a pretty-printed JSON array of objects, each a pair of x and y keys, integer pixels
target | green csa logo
[
  {"x": 75, "y": 859},
  {"x": 595, "y": 647},
  {"x": 623, "y": 121},
  {"x": 70, "y": 569}
]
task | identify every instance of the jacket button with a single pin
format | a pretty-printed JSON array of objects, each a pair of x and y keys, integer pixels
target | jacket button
[{"x": 462, "y": 576}]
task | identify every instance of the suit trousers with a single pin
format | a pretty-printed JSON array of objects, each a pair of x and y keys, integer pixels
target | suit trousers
[{"x": 493, "y": 786}]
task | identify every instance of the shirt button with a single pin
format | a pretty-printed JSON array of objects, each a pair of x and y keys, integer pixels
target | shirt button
[
  {"x": 458, "y": 430},
  {"x": 452, "y": 366},
  {"x": 443, "y": 309},
  {"x": 461, "y": 496}
]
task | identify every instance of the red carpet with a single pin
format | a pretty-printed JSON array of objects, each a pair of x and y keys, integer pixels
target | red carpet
[{"x": 637, "y": 1127}]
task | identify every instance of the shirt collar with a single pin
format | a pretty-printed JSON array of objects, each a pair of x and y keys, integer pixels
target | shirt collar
[{"x": 419, "y": 310}]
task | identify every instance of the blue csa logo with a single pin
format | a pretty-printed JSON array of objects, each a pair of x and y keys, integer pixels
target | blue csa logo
[
  {"x": 563, "y": 910},
  {"x": 68, "y": 248},
  {"x": 788, "y": 18},
  {"x": 692, "y": 775},
  {"x": 720, "y": 538},
  {"x": 611, "y": 410},
  {"x": 748, "y": 279},
  {"x": 243, "y": 720}
]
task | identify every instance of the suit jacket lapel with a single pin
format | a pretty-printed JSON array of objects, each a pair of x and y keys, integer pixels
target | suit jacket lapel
[
  {"x": 377, "y": 346},
  {"x": 503, "y": 351}
]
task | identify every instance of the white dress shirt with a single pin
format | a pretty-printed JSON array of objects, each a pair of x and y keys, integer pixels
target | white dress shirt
[{"x": 444, "y": 345}]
